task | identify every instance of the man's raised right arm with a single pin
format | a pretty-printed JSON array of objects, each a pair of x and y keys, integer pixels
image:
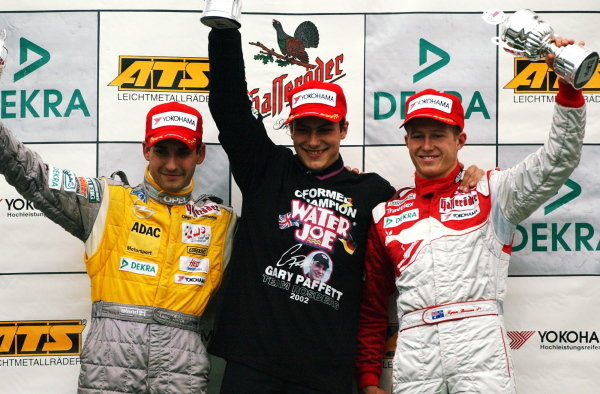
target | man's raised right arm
[{"x": 241, "y": 132}]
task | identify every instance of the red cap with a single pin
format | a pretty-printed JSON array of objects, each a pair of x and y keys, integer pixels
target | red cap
[
  {"x": 174, "y": 120},
  {"x": 430, "y": 103},
  {"x": 322, "y": 99}
]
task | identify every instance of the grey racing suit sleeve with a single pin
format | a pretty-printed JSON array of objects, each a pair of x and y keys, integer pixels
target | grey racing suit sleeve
[
  {"x": 26, "y": 171},
  {"x": 518, "y": 191}
]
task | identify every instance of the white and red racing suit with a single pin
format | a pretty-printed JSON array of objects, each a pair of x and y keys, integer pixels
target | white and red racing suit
[{"x": 446, "y": 253}]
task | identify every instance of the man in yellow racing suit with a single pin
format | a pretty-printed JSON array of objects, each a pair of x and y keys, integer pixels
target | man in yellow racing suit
[{"x": 154, "y": 254}]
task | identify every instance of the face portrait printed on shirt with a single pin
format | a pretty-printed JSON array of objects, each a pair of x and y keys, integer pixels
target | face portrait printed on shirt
[{"x": 318, "y": 266}]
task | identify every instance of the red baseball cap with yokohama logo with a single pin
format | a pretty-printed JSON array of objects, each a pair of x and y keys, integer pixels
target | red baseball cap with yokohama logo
[
  {"x": 174, "y": 120},
  {"x": 315, "y": 98},
  {"x": 430, "y": 103}
]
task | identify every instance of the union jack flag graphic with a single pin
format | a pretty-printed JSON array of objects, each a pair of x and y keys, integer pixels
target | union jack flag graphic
[{"x": 285, "y": 221}]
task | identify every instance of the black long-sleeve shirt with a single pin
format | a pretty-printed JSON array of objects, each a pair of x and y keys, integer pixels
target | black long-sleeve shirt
[{"x": 273, "y": 317}]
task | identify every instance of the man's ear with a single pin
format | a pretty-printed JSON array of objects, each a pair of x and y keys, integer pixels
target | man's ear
[
  {"x": 146, "y": 151},
  {"x": 201, "y": 153},
  {"x": 344, "y": 130},
  {"x": 461, "y": 140}
]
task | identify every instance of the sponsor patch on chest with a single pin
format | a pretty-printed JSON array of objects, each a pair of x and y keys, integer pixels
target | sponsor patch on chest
[
  {"x": 198, "y": 234},
  {"x": 138, "y": 267},
  {"x": 190, "y": 279},
  {"x": 459, "y": 207},
  {"x": 193, "y": 264},
  {"x": 397, "y": 220}
]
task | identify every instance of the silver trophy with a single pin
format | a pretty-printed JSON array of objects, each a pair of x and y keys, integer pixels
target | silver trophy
[
  {"x": 3, "y": 51},
  {"x": 524, "y": 34},
  {"x": 222, "y": 14}
]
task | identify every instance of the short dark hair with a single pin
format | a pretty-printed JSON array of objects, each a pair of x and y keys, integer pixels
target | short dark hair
[{"x": 342, "y": 123}]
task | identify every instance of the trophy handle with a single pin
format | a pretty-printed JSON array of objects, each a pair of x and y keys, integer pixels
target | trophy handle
[{"x": 497, "y": 41}]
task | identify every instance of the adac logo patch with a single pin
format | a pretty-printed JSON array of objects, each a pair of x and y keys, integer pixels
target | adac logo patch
[
  {"x": 138, "y": 267},
  {"x": 162, "y": 74},
  {"x": 141, "y": 228},
  {"x": 41, "y": 338}
]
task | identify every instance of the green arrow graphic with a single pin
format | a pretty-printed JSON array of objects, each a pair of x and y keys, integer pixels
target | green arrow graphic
[
  {"x": 426, "y": 47},
  {"x": 27, "y": 46},
  {"x": 570, "y": 196}
]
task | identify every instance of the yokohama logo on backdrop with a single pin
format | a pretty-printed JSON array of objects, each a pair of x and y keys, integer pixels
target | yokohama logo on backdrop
[
  {"x": 518, "y": 338},
  {"x": 557, "y": 340}
]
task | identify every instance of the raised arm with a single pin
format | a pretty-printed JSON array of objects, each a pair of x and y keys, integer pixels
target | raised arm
[
  {"x": 241, "y": 132},
  {"x": 70, "y": 201}
]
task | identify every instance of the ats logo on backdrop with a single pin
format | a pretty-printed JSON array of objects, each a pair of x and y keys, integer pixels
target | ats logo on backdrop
[
  {"x": 295, "y": 51},
  {"x": 387, "y": 104},
  {"x": 36, "y": 103},
  {"x": 162, "y": 74},
  {"x": 556, "y": 236},
  {"x": 576, "y": 340},
  {"x": 41, "y": 338},
  {"x": 534, "y": 77}
]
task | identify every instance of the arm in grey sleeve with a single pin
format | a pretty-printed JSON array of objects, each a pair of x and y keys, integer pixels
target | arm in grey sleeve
[
  {"x": 521, "y": 189},
  {"x": 70, "y": 201}
]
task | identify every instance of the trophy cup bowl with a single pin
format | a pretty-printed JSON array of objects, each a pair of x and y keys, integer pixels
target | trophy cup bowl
[
  {"x": 222, "y": 14},
  {"x": 524, "y": 34}
]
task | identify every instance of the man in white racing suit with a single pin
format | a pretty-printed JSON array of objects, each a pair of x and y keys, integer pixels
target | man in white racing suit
[
  {"x": 446, "y": 252},
  {"x": 155, "y": 255}
]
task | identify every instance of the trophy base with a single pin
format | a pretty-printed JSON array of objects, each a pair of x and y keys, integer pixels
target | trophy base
[
  {"x": 219, "y": 22},
  {"x": 585, "y": 71},
  {"x": 574, "y": 64}
]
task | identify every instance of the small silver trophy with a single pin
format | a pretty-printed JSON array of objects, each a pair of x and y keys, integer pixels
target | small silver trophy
[
  {"x": 3, "y": 51},
  {"x": 222, "y": 14},
  {"x": 524, "y": 34}
]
